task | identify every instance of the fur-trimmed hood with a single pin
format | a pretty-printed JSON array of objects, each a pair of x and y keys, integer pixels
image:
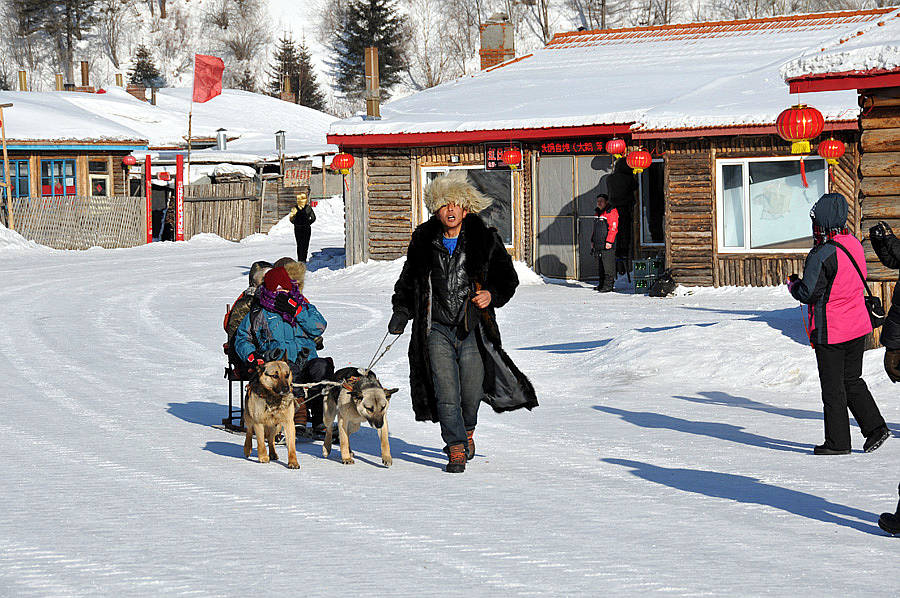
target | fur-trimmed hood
[
  {"x": 454, "y": 188},
  {"x": 297, "y": 272}
]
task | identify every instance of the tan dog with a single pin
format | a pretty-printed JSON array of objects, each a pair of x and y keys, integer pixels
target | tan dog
[
  {"x": 360, "y": 398},
  {"x": 270, "y": 405}
]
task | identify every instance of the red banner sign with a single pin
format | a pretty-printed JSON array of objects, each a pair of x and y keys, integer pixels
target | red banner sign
[
  {"x": 179, "y": 198},
  {"x": 148, "y": 196},
  {"x": 493, "y": 154}
]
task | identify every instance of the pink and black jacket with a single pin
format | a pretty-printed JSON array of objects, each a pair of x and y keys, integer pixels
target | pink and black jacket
[{"x": 831, "y": 285}]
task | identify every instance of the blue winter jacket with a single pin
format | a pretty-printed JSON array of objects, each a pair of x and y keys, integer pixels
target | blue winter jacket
[{"x": 263, "y": 330}]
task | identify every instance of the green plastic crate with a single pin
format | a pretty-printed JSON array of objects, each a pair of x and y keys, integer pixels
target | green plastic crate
[{"x": 642, "y": 285}]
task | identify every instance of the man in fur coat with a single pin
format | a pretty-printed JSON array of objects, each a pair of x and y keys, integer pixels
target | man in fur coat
[{"x": 457, "y": 272}]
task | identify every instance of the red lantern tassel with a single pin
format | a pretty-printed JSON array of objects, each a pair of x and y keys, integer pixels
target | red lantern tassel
[{"x": 803, "y": 173}]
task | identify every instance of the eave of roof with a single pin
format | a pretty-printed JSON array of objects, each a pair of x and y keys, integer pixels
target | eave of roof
[
  {"x": 872, "y": 79},
  {"x": 452, "y": 137},
  {"x": 846, "y": 125}
]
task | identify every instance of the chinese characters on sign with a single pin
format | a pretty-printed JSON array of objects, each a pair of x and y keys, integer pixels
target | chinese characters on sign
[
  {"x": 297, "y": 172},
  {"x": 493, "y": 153},
  {"x": 572, "y": 147}
]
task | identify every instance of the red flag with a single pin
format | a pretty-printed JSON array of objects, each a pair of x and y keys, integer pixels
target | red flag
[{"x": 207, "y": 77}]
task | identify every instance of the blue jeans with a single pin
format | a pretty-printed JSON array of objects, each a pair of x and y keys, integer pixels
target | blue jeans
[{"x": 457, "y": 373}]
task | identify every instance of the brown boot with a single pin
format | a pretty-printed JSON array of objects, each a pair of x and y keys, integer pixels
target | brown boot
[
  {"x": 470, "y": 446},
  {"x": 299, "y": 413},
  {"x": 457, "y": 463}
]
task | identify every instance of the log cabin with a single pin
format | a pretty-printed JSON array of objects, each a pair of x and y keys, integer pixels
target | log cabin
[{"x": 725, "y": 202}]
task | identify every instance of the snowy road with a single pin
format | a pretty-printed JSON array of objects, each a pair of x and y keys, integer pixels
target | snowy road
[{"x": 670, "y": 454}]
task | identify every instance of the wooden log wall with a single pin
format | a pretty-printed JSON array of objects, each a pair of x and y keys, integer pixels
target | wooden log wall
[
  {"x": 389, "y": 189},
  {"x": 230, "y": 210},
  {"x": 879, "y": 185},
  {"x": 879, "y": 169},
  {"x": 690, "y": 199},
  {"x": 277, "y": 203}
]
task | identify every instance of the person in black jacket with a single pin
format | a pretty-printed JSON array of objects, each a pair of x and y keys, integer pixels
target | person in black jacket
[
  {"x": 302, "y": 216},
  {"x": 887, "y": 248},
  {"x": 457, "y": 272}
]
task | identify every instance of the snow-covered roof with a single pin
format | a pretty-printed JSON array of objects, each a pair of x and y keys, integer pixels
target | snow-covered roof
[
  {"x": 688, "y": 76},
  {"x": 251, "y": 118},
  {"x": 874, "y": 47},
  {"x": 40, "y": 116}
]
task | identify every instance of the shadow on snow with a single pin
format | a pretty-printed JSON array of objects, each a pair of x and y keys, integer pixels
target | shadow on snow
[
  {"x": 788, "y": 321},
  {"x": 729, "y": 432},
  {"x": 364, "y": 442},
  {"x": 748, "y": 490}
]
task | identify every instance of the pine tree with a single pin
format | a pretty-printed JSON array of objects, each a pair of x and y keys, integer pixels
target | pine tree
[
  {"x": 308, "y": 91},
  {"x": 369, "y": 23},
  {"x": 247, "y": 80},
  {"x": 294, "y": 61},
  {"x": 144, "y": 71},
  {"x": 287, "y": 62}
]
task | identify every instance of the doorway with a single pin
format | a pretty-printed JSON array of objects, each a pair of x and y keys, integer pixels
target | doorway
[{"x": 567, "y": 195}]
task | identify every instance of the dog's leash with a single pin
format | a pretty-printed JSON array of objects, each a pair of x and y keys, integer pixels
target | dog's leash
[{"x": 376, "y": 360}]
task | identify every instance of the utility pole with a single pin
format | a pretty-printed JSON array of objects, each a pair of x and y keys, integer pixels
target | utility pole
[{"x": 6, "y": 183}]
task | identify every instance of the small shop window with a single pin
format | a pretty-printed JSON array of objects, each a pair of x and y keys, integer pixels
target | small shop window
[
  {"x": 99, "y": 185},
  {"x": 20, "y": 178},
  {"x": 762, "y": 204},
  {"x": 98, "y": 167},
  {"x": 496, "y": 184},
  {"x": 651, "y": 186},
  {"x": 57, "y": 178}
]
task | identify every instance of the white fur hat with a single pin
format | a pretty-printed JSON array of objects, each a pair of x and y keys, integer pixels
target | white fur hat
[{"x": 454, "y": 188}]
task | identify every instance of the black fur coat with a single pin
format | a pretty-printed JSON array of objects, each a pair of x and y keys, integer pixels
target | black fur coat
[{"x": 487, "y": 262}]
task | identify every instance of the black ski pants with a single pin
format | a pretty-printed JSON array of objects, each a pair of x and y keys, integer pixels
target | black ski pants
[
  {"x": 840, "y": 374},
  {"x": 302, "y": 233},
  {"x": 607, "y": 259}
]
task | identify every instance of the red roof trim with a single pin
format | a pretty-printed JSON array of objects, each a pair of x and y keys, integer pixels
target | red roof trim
[
  {"x": 844, "y": 14},
  {"x": 846, "y": 80},
  {"x": 452, "y": 137},
  {"x": 736, "y": 130}
]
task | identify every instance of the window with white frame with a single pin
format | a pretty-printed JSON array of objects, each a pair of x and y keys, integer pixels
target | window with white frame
[
  {"x": 496, "y": 184},
  {"x": 762, "y": 204}
]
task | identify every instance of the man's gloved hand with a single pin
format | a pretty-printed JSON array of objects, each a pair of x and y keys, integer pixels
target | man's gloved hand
[
  {"x": 880, "y": 230},
  {"x": 792, "y": 280},
  {"x": 286, "y": 305},
  {"x": 398, "y": 323},
  {"x": 273, "y": 354},
  {"x": 892, "y": 364},
  {"x": 293, "y": 213},
  {"x": 320, "y": 344}
]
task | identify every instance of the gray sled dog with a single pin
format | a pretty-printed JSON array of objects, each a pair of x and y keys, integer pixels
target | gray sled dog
[
  {"x": 359, "y": 398},
  {"x": 270, "y": 405}
]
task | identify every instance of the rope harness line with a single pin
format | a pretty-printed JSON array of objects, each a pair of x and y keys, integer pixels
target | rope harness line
[{"x": 386, "y": 349}]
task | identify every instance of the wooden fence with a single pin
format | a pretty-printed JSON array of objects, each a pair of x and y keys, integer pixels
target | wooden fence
[
  {"x": 230, "y": 210},
  {"x": 80, "y": 222}
]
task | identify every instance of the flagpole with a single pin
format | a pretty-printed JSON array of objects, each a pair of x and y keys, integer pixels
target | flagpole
[{"x": 190, "y": 114}]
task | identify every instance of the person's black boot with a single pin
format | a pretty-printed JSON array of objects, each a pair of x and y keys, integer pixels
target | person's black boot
[
  {"x": 890, "y": 522},
  {"x": 470, "y": 445},
  {"x": 876, "y": 439},
  {"x": 457, "y": 463},
  {"x": 822, "y": 449}
]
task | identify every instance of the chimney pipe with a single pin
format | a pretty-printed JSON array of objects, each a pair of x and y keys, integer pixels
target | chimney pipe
[
  {"x": 279, "y": 142},
  {"x": 84, "y": 74},
  {"x": 373, "y": 93},
  {"x": 119, "y": 80},
  {"x": 497, "y": 42},
  {"x": 221, "y": 140},
  {"x": 153, "y": 96},
  {"x": 59, "y": 82},
  {"x": 23, "y": 81}
]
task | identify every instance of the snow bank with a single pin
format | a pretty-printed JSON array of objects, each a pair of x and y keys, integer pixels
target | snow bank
[{"x": 11, "y": 242}]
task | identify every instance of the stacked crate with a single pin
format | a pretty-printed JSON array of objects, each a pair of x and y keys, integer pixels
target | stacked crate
[{"x": 645, "y": 272}]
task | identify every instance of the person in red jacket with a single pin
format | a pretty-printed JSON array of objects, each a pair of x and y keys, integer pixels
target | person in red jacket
[{"x": 603, "y": 242}]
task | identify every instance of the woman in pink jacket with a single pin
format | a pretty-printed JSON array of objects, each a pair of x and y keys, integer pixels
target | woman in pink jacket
[{"x": 838, "y": 323}]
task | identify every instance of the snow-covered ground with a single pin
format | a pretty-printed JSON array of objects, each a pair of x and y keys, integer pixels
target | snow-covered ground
[{"x": 670, "y": 453}]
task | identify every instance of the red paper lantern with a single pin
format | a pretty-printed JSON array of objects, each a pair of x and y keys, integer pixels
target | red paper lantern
[
  {"x": 163, "y": 176},
  {"x": 798, "y": 124},
  {"x": 616, "y": 147},
  {"x": 831, "y": 149},
  {"x": 512, "y": 158},
  {"x": 342, "y": 163},
  {"x": 129, "y": 160},
  {"x": 638, "y": 160}
]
